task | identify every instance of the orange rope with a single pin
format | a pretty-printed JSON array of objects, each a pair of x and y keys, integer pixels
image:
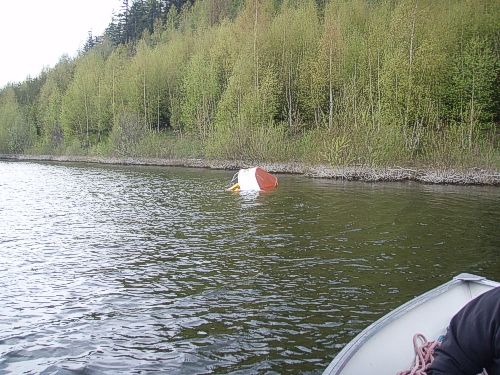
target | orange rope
[{"x": 424, "y": 355}]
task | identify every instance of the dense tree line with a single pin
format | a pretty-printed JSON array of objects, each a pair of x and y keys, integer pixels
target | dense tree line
[
  {"x": 139, "y": 16},
  {"x": 343, "y": 82}
]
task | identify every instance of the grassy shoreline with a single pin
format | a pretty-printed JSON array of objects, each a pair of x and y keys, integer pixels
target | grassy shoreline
[{"x": 428, "y": 175}]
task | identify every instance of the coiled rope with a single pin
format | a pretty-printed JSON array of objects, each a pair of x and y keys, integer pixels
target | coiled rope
[{"x": 424, "y": 355}]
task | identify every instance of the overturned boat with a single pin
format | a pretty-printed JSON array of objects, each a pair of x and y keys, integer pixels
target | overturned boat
[
  {"x": 385, "y": 347},
  {"x": 253, "y": 179}
]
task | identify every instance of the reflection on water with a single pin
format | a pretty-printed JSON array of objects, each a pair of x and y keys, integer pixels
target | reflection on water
[{"x": 143, "y": 270}]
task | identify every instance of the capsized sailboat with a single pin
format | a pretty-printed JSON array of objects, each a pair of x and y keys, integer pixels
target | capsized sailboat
[{"x": 253, "y": 179}]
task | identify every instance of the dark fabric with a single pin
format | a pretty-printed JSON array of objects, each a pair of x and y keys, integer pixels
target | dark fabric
[{"x": 473, "y": 339}]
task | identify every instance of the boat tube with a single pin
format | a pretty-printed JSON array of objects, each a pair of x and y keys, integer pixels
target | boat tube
[{"x": 385, "y": 347}]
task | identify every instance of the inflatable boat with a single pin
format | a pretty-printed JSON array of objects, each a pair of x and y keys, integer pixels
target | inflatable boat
[{"x": 386, "y": 347}]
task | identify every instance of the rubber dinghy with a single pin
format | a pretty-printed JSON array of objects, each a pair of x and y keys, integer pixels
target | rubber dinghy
[
  {"x": 253, "y": 179},
  {"x": 386, "y": 347}
]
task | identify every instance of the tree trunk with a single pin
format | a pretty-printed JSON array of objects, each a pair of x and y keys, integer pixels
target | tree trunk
[
  {"x": 370, "y": 87},
  {"x": 99, "y": 124},
  {"x": 290, "y": 96},
  {"x": 410, "y": 65},
  {"x": 144, "y": 98},
  {"x": 471, "y": 125},
  {"x": 113, "y": 99},
  {"x": 87, "y": 118},
  {"x": 355, "y": 96},
  {"x": 378, "y": 91},
  {"x": 330, "y": 87},
  {"x": 256, "y": 57}
]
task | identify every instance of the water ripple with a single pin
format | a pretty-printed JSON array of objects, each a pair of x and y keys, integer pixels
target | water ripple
[{"x": 148, "y": 270}]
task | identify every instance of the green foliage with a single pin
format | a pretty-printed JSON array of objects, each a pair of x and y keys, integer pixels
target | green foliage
[
  {"x": 472, "y": 79},
  {"x": 86, "y": 114},
  {"x": 338, "y": 82},
  {"x": 50, "y": 104},
  {"x": 202, "y": 86},
  {"x": 255, "y": 144},
  {"x": 127, "y": 134},
  {"x": 168, "y": 145},
  {"x": 15, "y": 133}
]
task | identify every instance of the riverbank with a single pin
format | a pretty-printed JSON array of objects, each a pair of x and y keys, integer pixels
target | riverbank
[{"x": 473, "y": 176}]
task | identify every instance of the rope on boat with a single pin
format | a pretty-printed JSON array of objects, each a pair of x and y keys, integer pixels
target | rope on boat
[{"x": 424, "y": 355}]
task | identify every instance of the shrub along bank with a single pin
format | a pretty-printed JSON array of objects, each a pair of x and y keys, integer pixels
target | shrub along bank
[{"x": 339, "y": 83}]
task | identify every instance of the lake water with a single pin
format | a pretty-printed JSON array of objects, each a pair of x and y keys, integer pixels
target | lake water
[{"x": 142, "y": 270}]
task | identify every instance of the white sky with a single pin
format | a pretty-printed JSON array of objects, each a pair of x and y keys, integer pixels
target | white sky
[{"x": 36, "y": 33}]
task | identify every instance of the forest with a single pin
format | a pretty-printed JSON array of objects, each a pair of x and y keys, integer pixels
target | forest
[{"x": 338, "y": 82}]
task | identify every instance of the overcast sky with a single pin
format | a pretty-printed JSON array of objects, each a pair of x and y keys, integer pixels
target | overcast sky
[{"x": 36, "y": 33}]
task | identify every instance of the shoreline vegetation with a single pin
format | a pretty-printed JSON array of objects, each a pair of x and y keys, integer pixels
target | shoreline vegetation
[
  {"x": 472, "y": 176},
  {"x": 328, "y": 88}
]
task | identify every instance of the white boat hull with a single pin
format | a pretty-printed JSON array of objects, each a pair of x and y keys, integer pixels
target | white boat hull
[{"x": 386, "y": 346}]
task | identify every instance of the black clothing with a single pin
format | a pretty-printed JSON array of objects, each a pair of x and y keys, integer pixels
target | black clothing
[{"x": 473, "y": 339}]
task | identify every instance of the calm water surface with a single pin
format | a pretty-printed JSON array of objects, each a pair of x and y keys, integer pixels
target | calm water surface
[{"x": 140, "y": 270}]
